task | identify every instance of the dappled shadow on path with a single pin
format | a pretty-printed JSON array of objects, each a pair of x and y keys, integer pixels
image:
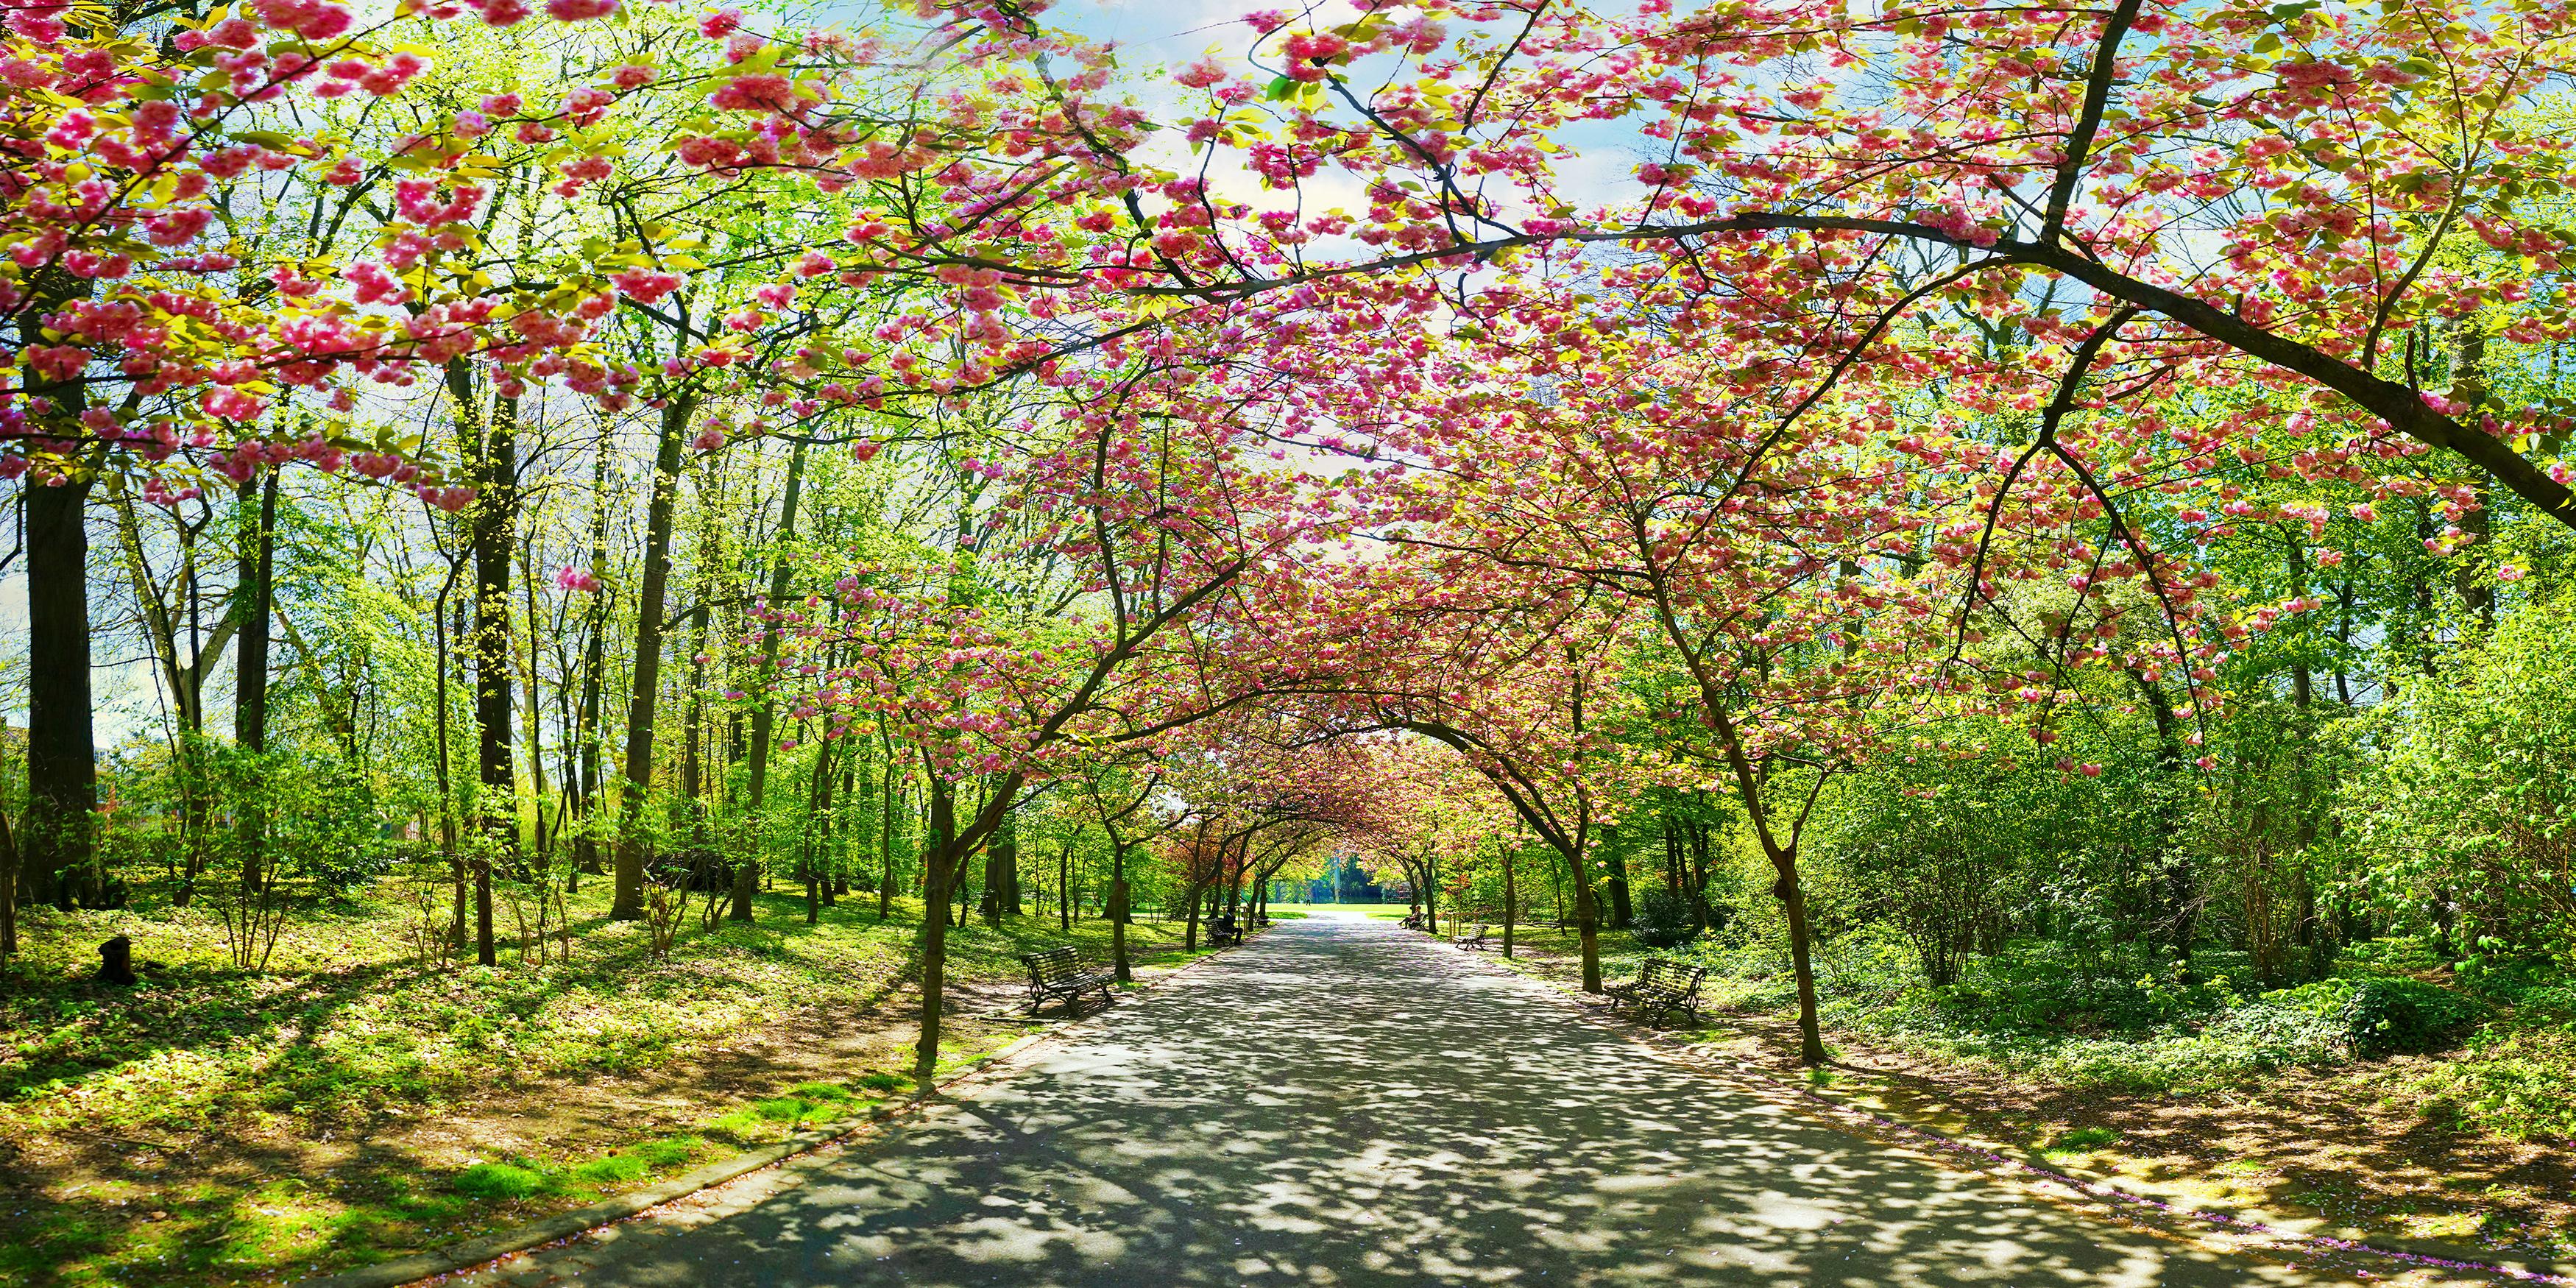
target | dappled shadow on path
[{"x": 1348, "y": 1103}]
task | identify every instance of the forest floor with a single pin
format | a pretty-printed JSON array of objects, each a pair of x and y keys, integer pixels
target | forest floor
[
  {"x": 350, "y": 1105},
  {"x": 2372, "y": 1144}
]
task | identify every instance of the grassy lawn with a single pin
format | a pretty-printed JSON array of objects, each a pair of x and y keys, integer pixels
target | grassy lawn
[
  {"x": 1389, "y": 911},
  {"x": 212, "y": 1125}
]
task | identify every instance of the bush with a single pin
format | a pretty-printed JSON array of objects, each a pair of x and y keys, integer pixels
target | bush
[
  {"x": 1662, "y": 919},
  {"x": 2521, "y": 1086},
  {"x": 2384, "y": 1016},
  {"x": 2378, "y": 1015}
]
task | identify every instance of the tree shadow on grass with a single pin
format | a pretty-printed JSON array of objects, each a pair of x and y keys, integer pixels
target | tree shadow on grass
[
  {"x": 243, "y": 1196},
  {"x": 1350, "y": 1104}
]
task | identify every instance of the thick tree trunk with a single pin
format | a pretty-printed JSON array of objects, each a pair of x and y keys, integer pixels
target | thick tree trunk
[
  {"x": 1117, "y": 910},
  {"x": 1793, "y": 901},
  {"x": 934, "y": 929},
  {"x": 62, "y": 757},
  {"x": 494, "y": 536},
  {"x": 641, "y": 705},
  {"x": 1422, "y": 876},
  {"x": 1587, "y": 925}
]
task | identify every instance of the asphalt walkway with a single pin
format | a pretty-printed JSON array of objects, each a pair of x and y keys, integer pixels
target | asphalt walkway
[{"x": 1342, "y": 1102}]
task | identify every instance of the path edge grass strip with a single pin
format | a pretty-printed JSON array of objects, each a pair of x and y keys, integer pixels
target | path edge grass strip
[
  {"x": 2091, "y": 1182},
  {"x": 474, "y": 1253}
]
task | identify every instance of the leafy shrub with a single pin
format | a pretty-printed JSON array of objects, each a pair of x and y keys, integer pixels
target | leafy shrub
[
  {"x": 2521, "y": 1086},
  {"x": 2385, "y": 1015},
  {"x": 2376, "y": 1015},
  {"x": 1662, "y": 919}
]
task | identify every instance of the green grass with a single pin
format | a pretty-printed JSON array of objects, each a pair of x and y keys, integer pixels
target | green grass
[
  {"x": 342, "y": 1024},
  {"x": 2080, "y": 1139},
  {"x": 2503, "y": 1056},
  {"x": 345, "y": 1028}
]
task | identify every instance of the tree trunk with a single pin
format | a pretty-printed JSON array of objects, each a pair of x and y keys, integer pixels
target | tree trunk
[
  {"x": 693, "y": 748},
  {"x": 253, "y": 603},
  {"x": 1117, "y": 911},
  {"x": 495, "y": 523},
  {"x": 640, "y": 707},
  {"x": 1623, "y": 914},
  {"x": 8, "y": 879},
  {"x": 1002, "y": 876},
  {"x": 1430, "y": 898},
  {"x": 885, "y": 841},
  {"x": 934, "y": 929},
  {"x": 594, "y": 673},
  {"x": 763, "y": 717},
  {"x": 62, "y": 758},
  {"x": 1064, "y": 886},
  {"x": 1793, "y": 901},
  {"x": 440, "y": 637},
  {"x": 817, "y": 799},
  {"x": 1511, "y": 896},
  {"x": 1702, "y": 916},
  {"x": 1587, "y": 925}
]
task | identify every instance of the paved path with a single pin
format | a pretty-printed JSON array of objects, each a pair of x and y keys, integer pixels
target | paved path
[{"x": 1342, "y": 1102}]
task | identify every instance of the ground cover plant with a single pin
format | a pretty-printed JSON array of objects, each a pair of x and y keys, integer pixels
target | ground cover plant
[{"x": 213, "y": 1125}]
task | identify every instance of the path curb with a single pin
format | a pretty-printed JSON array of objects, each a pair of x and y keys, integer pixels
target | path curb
[
  {"x": 2098, "y": 1184},
  {"x": 476, "y": 1253}
]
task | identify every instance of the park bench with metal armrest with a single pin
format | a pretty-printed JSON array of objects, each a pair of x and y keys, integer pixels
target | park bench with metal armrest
[
  {"x": 1057, "y": 974},
  {"x": 1662, "y": 987},
  {"x": 1473, "y": 940},
  {"x": 1651, "y": 971}
]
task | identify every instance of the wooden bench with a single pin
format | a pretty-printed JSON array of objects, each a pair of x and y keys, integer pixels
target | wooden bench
[
  {"x": 1662, "y": 987},
  {"x": 1223, "y": 931},
  {"x": 1475, "y": 940},
  {"x": 1413, "y": 921},
  {"x": 1057, "y": 974}
]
